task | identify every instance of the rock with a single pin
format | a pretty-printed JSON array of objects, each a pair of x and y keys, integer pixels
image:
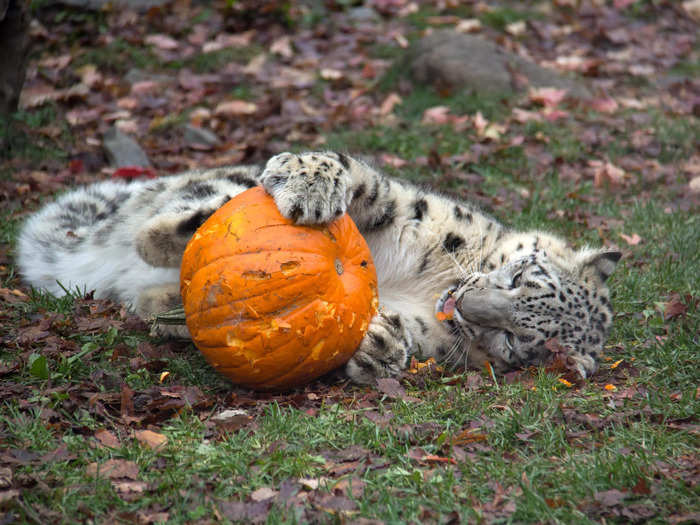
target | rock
[
  {"x": 364, "y": 14},
  {"x": 200, "y": 136},
  {"x": 122, "y": 150},
  {"x": 453, "y": 60}
]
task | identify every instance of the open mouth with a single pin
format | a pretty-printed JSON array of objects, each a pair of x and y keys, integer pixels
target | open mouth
[{"x": 446, "y": 307}]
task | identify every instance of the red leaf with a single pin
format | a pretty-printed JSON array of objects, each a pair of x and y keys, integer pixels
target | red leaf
[{"x": 134, "y": 172}]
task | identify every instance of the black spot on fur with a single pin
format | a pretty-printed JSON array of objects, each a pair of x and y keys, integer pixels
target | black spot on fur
[
  {"x": 372, "y": 197},
  {"x": 452, "y": 242},
  {"x": 463, "y": 215},
  {"x": 386, "y": 218},
  {"x": 197, "y": 190},
  {"x": 296, "y": 212},
  {"x": 238, "y": 178},
  {"x": 359, "y": 191},
  {"x": 189, "y": 226},
  {"x": 344, "y": 160},
  {"x": 378, "y": 340},
  {"x": 423, "y": 326},
  {"x": 394, "y": 321},
  {"x": 420, "y": 207}
]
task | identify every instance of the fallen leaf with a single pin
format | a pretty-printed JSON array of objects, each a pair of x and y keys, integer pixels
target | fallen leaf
[
  {"x": 516, "y": 28},
  {"x": 262, "y": 494},
  {"x": 389, "y": 102},
  {"x": 331, "y": 74},
  {"x": 547, "y": 96},
  {"x": 468, "y": 25},
  {"x": 436, "y": 115},
  {"x": 606, "y": 173},
  {"x": 153, "y": 440},
  {"x": 234, "y": 108},
  {"x": 309, "y": 483},
  {"x": 107, "y": 439},
  {"x": 674, "y": 307},
  {"x": 604, "y": 105},
  {"x": 162, "y": 42},
  {"x": 632, "y": 240},
  {"x": 391, "y": 387},
  {"x": 130, "y": 487},
  {"x": 694, "y": 185},
  {"x": 692, "y": 7},
  {"x": 113, "y": 468},
  {"x": 282, "y": 47}
]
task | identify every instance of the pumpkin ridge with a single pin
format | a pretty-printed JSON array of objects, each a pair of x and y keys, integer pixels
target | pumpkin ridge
[{"x": 256, "y": 252}]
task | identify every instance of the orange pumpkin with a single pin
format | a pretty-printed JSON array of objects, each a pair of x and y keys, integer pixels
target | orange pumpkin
[{"x": 272, "y": 304}]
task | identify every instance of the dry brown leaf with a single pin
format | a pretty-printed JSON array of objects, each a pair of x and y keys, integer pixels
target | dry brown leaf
[
  {"x": 632, "y": 240},
  {"x": 282, "y": 47},
  {"x": 163, "y": 42},
  {"x": 606, "y": 173},
  {"x": 331, "y": 74},
  {"x": 694, "y": 184},
  {"x": 263, "y": 493},
  {"x": 235, "y": 108},
  {"x": 130, "y": 487},
  {"x": 692, "y": 7},
  {"x": 468, "y": 25},
  {"x": 153, "y": 440},
  {"x": 436, "y": 115},
  {"x": 547, "y": 96},
  {"x": 604, "y": 105},
  {"x": 114, "y": 468},
  {"x": 389, "y": 102},
  {"x": 107, "y": 439}
]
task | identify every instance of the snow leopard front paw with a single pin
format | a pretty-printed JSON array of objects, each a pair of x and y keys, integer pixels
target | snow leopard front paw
[
  {"x": 310, "y": 188},
  {"x": 383, "y": 351}
]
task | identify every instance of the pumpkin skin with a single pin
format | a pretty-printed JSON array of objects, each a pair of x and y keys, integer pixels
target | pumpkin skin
[{"x": 271, "y": 304}]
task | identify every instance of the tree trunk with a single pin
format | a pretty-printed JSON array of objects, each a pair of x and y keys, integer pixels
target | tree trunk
[{"x": 14, "y": 43}]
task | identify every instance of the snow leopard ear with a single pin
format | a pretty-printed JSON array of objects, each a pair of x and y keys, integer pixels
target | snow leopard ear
[{"x": 601, "y": 264}]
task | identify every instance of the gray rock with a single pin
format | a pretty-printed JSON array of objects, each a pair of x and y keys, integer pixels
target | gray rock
[
  {"x": 196, "y": 135},
  {"x": 364, "y": 14},
  {"x": 458, "y": 61},
  {"x": 122, "y": 150}
]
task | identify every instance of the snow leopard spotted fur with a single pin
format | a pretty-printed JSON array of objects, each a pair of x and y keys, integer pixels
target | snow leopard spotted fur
[{"x": 502, "y": 294}]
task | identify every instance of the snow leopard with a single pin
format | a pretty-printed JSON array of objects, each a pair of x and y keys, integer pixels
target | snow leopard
[{"x": 454, "y": 284}]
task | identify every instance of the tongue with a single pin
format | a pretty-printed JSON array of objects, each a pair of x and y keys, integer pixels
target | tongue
[{"x": 449, "y": 306}]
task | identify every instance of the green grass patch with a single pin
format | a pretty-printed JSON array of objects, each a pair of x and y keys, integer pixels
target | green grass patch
[
  {"x": 119, "y": 56},
  {"x": 215, "y": 60}
]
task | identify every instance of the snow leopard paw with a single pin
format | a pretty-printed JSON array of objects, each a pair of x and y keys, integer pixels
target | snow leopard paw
[
  {"x": 309, "y": 188},
  {"x": 383, "y": 352}
]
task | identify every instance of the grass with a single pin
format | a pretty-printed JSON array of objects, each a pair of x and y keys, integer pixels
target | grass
[{"x": 527, "y": 449}]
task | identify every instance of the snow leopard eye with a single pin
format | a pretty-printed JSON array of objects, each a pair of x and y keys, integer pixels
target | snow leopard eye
[
  {"x": 516, "y": 279},
  {"x": 510, "y": 341}
]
